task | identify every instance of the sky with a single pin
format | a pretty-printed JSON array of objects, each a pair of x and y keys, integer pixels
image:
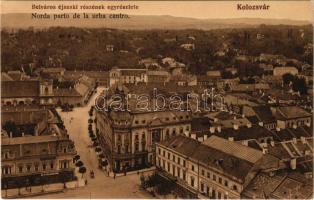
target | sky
[{"x": 295, "y": 10}]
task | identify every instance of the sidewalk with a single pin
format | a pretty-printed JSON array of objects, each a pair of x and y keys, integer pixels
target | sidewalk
[
  {"x": 151, "y": 169},
  {"x": 41, "y": 189}
]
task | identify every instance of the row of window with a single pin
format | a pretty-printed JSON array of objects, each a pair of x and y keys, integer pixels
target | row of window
[
  {"x": 179, "y": 173},
  {"x": 174, "y": 158},
  {"x": 27, "y": 168},
  {"x": 216, "y": 178},
  {"x": 177, "y": 159},
  {"x": 297, "y": 123}
]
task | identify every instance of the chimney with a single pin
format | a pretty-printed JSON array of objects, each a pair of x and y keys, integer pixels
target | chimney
[
  {"x": 219, "y": 129},
  {"x": 307, "y": 152},
  {"x": 235, "y": 126},
  {"x": 200, "y": 139},
  {"x": 245, "y": 143},
  {"x": 294, "y": 126},
  {"x": 10, "y": 134},
  {"x": 205, "y": 137},
  {"x": 23, "y": 134},
  {"x": 243, "y": 115},
  {"x": 186, "y": 133},
  {"x": 193, "y": 136},
  {"x": 294, "y": 140},
  {"x": 261, "y": 123},
  {"x": 235, "y": 117},
  {"x": 308, "y": 124},
  {"x": 249, "y": 125},
  {"x": 231, "y": 139},
  {"x": 303, "y": 140},
  {"x": 293, "y": 163},
  {"x": 277, "y": 129},
  {"x": 215, "y": 119},
  {"x": 272, "y": 143},
  {"x": 265, "y": 150},
  {"x": 212, "y": 129}
]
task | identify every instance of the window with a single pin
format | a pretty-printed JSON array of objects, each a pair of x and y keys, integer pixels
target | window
[
  {"x": 36, "y": 167},
  {"x": 136, "y": 122},
  {"x": 44, "y": 166},
  {"x": 219, "y": 195},
  {"x": 178, "y": 172},
  {"x": 51, "y": 165},
  {"x": 235, "y": 187},
  {"x": 136, "y": 137},
  {"x": 143, "y": 121},
  {"x": 184, "y": 175},
  {"x": 164, "y": 153},
  {"x": 214, "y": 177},
  {"x": 187, "y": 128},
  {"x": 208, "y": 175},
  {"x": 136, "y": 147},
  {"x": 119, "y": 149},
  {"x": 179, "y": 160},
  {"x": 192, "y": 181},
  {"x": 202, "y": 187},
  {"x": 192, "y": 167},
  {"x": 173, "y": 158},
  {"x": 143, "y": 136},
  {"x": 168, "y": 166},
  {"x": 181, "y": 130},
  {"x": 183, "y": 163},
  {"x": 173, "y": 132},
  {"x": 28, "y": 168},
  {"x": 6, "y": 170},
  {"x": 168, "y": 155},
  {"x": 21, "y": 169},
  {"x": 143, "y": 146},
  {"x": 220, "y": 180},
  {"x": 64, "y": 150},
  {"x": 203, "y": 172},
  {"x": 226, "y": 183},
  {"x": 173, "y": 170},
  {"x": 6, "y": 155},
  {"x": 159, "y": 152}
]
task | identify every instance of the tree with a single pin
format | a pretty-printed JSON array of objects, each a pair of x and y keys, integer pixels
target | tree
[
  {"x": 76, "y": 157},
  {"x": 287, "y": 78},
  {"x": 299, "y": 85},
  {"x": 82, "y": 170},
  {"x": 98, "y": 149},
  {"x": 79, "y": 163}
]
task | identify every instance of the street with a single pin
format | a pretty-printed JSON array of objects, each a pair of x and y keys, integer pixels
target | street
[{"x": 76, "y": 122}]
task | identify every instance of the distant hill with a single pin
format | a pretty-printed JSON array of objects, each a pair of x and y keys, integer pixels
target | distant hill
[{"x": 23, "y": 20}]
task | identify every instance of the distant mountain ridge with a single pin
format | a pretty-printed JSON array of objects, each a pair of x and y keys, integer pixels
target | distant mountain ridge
[{"x": 137, "y": 22}]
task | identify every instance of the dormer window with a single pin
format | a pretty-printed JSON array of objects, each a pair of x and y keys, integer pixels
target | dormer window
[
  {"x": 136, "y": 122},
  {"x": 143, "y": 121}
]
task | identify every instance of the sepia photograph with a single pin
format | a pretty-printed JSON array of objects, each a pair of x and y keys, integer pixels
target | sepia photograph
[{"x": 156, "y": 99}]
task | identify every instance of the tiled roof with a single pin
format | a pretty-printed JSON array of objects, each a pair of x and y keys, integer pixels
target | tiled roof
[
  {"x": 16, "y": 89},
  {"x": 264, "y": 114},
  {"x": 182, "y": 145},
  {"x": 232, "y": 148},
  {"x": 200, "y": 124},
  {"x": 5, "y": 77},
  {"x": 290, "y": 112}
]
